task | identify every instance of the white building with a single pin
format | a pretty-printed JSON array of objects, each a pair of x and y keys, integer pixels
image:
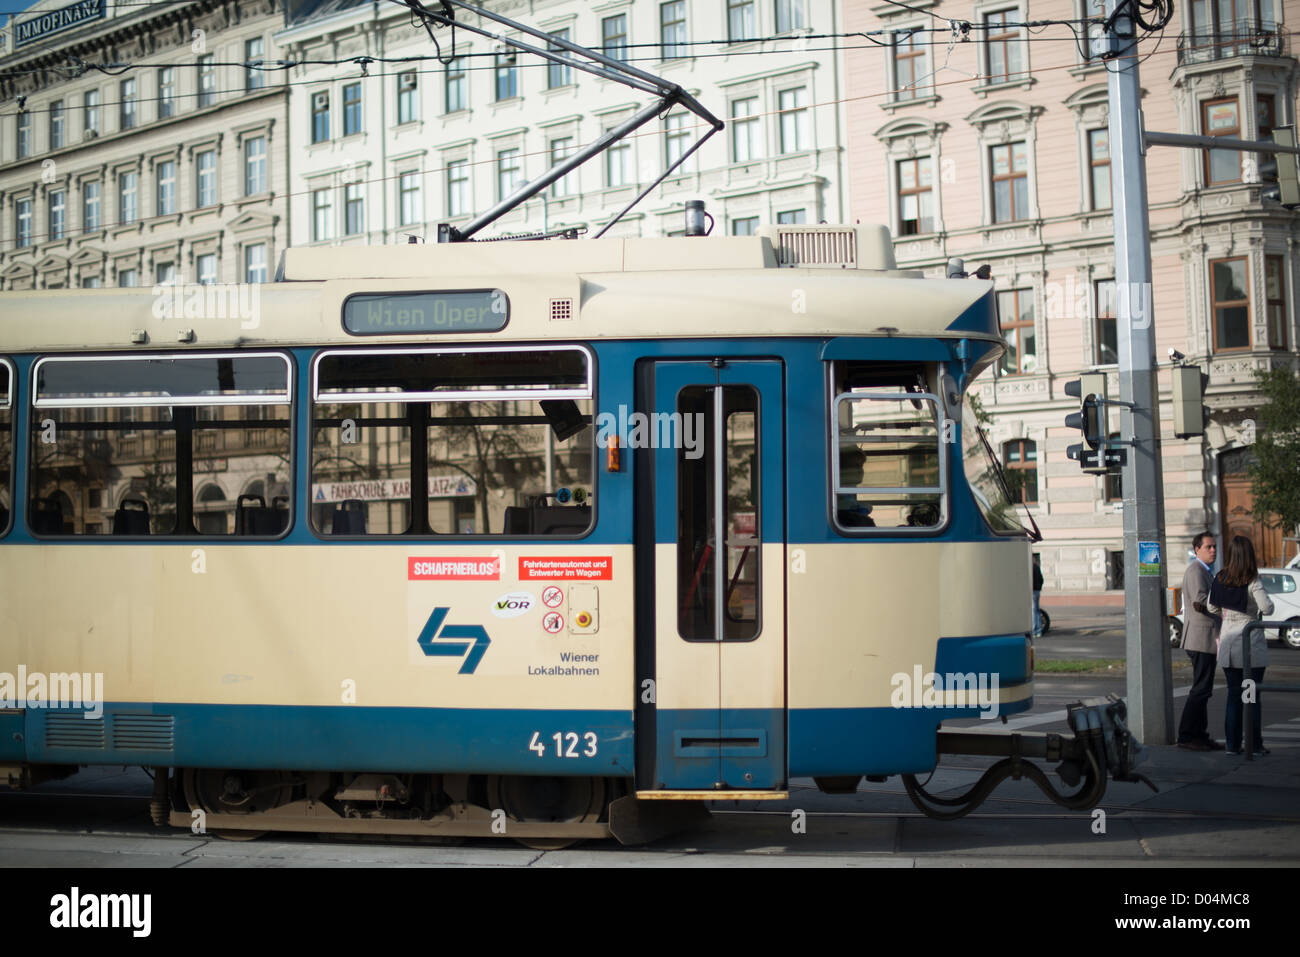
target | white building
[
  {"x": 169, "y": 165},
  {"x": 391, "y": 150}
]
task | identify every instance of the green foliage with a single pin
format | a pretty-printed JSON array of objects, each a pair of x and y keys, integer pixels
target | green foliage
[
  {"x": 982, "y": 415},
  {"x": 1275, "y": 474}
]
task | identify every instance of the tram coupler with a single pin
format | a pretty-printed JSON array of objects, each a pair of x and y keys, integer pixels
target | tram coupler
[
  {"x": 1098, "y": 723},
  {"x": 1100, "y": 736}
]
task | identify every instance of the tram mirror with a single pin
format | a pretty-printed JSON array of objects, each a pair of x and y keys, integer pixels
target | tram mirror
[
  {"x": 951, "y": 396},
  {"x": 564, "y": 417}
]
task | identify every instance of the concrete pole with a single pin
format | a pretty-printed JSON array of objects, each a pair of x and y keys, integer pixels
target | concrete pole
[{"x": 1150, "y": 697}]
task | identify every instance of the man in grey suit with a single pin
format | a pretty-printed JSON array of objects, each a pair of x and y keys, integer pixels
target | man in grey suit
[{"x": 1200, "y": 641}]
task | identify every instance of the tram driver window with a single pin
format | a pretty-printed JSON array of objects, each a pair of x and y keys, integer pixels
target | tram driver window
[
  {"x": 462, "y": 442},
  {"x": 888, "y": 466},
  {"x": 6, "y": 445},
  {"x": 160, "y": 445}
]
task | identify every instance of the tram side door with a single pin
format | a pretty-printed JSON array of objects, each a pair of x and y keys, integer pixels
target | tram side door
[{"x": 717, "y": 621}]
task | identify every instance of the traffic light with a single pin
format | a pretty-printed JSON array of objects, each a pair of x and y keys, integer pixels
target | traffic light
[
  {"x": 1190, "y": 414},
  {"x": 1090, "y": 388},
  {"x": 1280, "y": 172}
]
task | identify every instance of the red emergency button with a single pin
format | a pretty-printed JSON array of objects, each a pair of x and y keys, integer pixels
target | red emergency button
[{"x": 582, "y": 619}]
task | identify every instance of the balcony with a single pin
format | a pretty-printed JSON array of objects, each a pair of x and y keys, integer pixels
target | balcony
[{"x": 1233, "y": 39}]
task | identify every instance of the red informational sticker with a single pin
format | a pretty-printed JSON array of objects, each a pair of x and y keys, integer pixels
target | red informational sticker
[
  {"x": 577, "y": 568},
  {"x": 453, "y": 569}
]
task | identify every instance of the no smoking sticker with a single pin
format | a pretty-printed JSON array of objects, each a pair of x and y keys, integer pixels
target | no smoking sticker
[
  {"x": 552, "y": 622},
  {"x": 552, "y": 597}
]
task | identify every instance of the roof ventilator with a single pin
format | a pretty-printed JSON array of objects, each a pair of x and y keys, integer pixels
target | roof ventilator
[{"x": 812, "y": 246}]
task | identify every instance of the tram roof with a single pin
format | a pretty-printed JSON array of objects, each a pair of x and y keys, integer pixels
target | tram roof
[{"x": 806, "y": 281}]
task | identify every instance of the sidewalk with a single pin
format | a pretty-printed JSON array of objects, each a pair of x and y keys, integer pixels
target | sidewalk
[
  {"x": 1087, "y": 618},
  {"x": 1211, "y": 810}
]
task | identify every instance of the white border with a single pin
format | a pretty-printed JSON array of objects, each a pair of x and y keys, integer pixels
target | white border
[
  {"x": 465, "y": 396},
  {"x": 127, "y": 399}
]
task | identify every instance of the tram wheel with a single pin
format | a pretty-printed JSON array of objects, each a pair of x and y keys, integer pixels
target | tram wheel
[
  {"x": 538, "y": 800},
  {"x": 223, "y": 791}
]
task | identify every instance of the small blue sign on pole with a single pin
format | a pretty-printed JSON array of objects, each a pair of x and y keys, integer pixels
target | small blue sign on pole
[{"x": 1149, "y": 560}]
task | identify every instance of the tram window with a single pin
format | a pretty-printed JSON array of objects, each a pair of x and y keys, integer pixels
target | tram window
[
  {"x": 361, "y": 469},
  {"x": 453, "y": 442},
  {"x": 983, "y": 475},
  {"x": 697, "y": 529},
  {"x": 888, "y": 463},
  {"x": 162, "y": 380},
  {"x": 117, "y": 458},
  {"x": 139, "y": 446},
  {"x": 242, "y": 478},
  {"x": 6, "y": 445}
]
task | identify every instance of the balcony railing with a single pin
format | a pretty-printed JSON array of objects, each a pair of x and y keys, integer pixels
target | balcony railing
[{"x": 1232, "y": 39}]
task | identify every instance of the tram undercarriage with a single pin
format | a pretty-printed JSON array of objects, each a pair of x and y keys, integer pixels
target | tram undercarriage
[
  {"x": 541, "y": 812},
  {"x": 549, "y": 813}
]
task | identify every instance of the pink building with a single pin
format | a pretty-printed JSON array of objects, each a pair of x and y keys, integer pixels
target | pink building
[{"x": 991, "y": 144}]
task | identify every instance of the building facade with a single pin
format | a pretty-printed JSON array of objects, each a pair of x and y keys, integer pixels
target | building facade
[
  {"x": 137, "y": 149},
  {"x": 991, "y": 144},
  {"x": 388, "y": 151}
]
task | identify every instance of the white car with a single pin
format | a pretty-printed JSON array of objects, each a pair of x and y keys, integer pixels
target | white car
[{"x": 1283, "y": 587}]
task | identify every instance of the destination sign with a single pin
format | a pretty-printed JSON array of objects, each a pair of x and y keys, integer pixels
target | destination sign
[
  {"x": 43, "y": 24},
  {"x": 415, "y": 313}
]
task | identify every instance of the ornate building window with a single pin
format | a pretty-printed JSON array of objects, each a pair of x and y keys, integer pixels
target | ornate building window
[
  {"x": 912, "y": 76},
  {"x": 254, "y": 79},
  {"x": 1020, "y": 457},
  {"x": 558, "y": 74},
  {"x": 1106, "y": 334},
  {"x": 914, "y": 163},
  {"x": 672, "y": 29},
  {"x": 166, "y": 92},
  {"x": 320, "y": 116},
  {"x": 407, "y": 86},
  {"x": 1230, "y": 304},
  {"x": 741, "y": 20},
  {"x": 1010, "y": 184},
  {"x": 507, "y": 81},
  {"x": 1008, "y": 137},
  {"x": 457, "y": 86},
  {"x": 1016, "y": 316},
  {"x": 1221, "y": 118},
  {"x": 613, "y": 36},
  {"x": 915, "y": 196},
  {"x": 1099, "y": 167},
  {"x": 458, "y": 194},
  {"x": 1275, "y": 300},
  {"x": 746, "y": 134},
  {"x": 1004, "y": 51}
]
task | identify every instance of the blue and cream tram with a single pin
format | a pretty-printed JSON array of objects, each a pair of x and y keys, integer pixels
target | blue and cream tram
[{"x": 414, "y": 535}]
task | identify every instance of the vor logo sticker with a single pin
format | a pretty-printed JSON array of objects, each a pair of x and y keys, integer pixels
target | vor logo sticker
[
  {"x": 472, "y": 639},
  {"x": 514, "y": 604}
]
